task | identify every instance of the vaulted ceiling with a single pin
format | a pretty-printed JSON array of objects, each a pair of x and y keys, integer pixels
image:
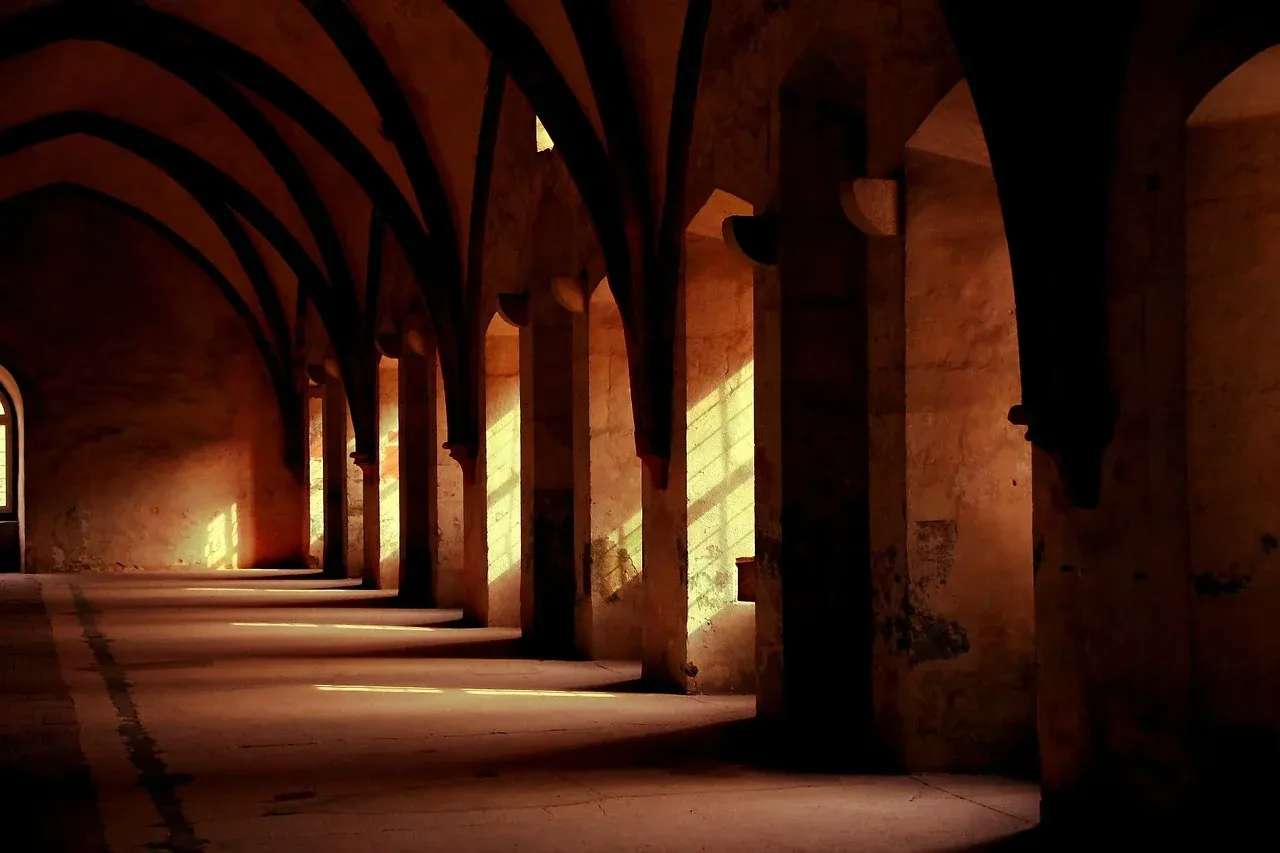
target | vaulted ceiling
[{"x": 285, "y": 142}]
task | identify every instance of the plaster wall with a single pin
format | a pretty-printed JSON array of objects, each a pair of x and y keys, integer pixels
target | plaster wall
[
  {"x": 389, "y": 474},
  {"x": 967, "y": 619},
  {"x": 153, "y": 434},
  {"x": 502, "y": 475},
  {"x": 315, "y": 480},
  {"x": 616, "y": 590},
  {"x": 448, "y": 512},
  {"x": 1233, "y": 426},
  {"x": 720, "y": 454}
]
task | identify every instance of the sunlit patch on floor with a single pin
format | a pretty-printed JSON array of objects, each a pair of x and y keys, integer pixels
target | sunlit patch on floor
[
  {"x": 331, "y": 625},
  {"x": 470, "y": 691}
]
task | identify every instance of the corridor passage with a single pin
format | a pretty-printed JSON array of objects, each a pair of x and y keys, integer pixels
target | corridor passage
[{"x": 274, "y": 711}]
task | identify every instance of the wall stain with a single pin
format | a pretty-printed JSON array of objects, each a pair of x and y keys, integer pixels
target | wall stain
[
  {"x": 1239, "y": 574},
  {"x": 1207, "y": 583},
  {"x": 923, "y": 634}
]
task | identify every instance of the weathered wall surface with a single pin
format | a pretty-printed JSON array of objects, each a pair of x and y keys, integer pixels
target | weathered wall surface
[
  {"x": 154, "y": 437},
  {"x": 388, "y": 474},
  {"x": 967, "y": 622},
  {"x": 615, "y": 528},
  {"x": 502, "y": 472},
  {"x": 1233, "y": 423},
  {"x": 355, "y": 506},
  {"x": 720, "y": 442},
  {"x": 448, "y": 512},
  {"x": 315, "y": 480}
]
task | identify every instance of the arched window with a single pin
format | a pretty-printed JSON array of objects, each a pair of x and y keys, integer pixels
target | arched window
[{"x": 8, "y": 457}]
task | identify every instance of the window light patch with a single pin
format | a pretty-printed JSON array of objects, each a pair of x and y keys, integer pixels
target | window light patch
[{"x": 545, "y": 142}]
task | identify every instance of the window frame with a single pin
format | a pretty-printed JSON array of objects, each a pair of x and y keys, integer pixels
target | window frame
[{"x": 9, "y": 503}]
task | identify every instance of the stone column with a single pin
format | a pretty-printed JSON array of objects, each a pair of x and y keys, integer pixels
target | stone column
[
  {"x": 417, "y": 474},
  {"x": 608, "y": 477},
  {"x": 1113, "y": 598},
  {"x": 334, "y": 559},
  {"x": 356, "y": 491},
  {"x": 814, "y": 540},
  {"x": 664, "y": 634},
  {"x": 475, "y": 541},
  {"x": 547, "y": 399},
  {"x": 447, "y": 536},
  {"x": 370, "y": 522},
  {"x": 492, "y": 504}
]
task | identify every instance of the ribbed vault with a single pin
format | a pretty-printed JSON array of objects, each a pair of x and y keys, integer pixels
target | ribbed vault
[{"x": 276, "y": 141}]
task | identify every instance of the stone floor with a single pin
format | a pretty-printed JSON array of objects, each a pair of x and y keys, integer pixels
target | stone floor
[{"x": 258, "y": 711}]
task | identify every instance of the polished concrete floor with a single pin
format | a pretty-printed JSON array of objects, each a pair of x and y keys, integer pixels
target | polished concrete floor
[{"x": 258, "y": 711}]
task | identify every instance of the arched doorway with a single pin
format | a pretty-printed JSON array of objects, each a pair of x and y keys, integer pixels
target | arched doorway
[
  {"x": 11, "y": 491},
  {"x": 1233, "y": 420},
  {"x": 968, "y": 609}
]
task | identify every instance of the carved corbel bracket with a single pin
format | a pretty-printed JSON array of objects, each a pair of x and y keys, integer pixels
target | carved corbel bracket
[
  {"x": 317, "y": 373},
  {"x": 1077, "y": 446},
  {"x": 570, "y": 292},
  {"x": 873, "y": 205},
  {"x": 389, "y": 344},
  {"x": 754, "y": 238},
  {"x": 514, "y": 308}
]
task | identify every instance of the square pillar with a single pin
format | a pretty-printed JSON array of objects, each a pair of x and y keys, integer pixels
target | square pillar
[
  {"x": 418, "y": 440},
  {"x": 547, "y": 401},
  {"x": 814, "y": 516},
  {"x": 334, "y": 558},
  {"x": 356, "y": 492},
  {"x": 492, "y": 505},
  {"x": 664, "y": 635},
  {"x": 447, "y": 536}
]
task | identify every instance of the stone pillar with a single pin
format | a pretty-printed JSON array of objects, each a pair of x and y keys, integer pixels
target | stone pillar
[
  {"x": 547, "y": 400},
  {"x": 608, "y": 477},
  {"x": 334, "y": 559},
  {"x": 719, "y": 380},
  {"x": 474, "y": 581},
  {"x": 814, "y": 532},
  {"x": 355, "y": 514},
  {"x": 447, "y": 537},
  {"x": 1113, "y": 599},
  {"x": 492, "y": 504},
  {"x": 770, "y": 704},
  {"x": 371, "y": 522},
  {"x": 418, "y": 514},
  {"x": 664, "y": 635}
]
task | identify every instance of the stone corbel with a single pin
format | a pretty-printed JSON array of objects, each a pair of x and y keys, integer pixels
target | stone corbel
[
  {"x": 1077, "y": 446},
  {"x": 514, "y": 308},
  {"x": 317, "y": 373},
  {"x": 872, "y": 205},
  {"x": 753, "y": 238},
  {"x": 416, "y": 342},
  {"x": 570, "y": 292},
  {"x": 389, "y": 344}
]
